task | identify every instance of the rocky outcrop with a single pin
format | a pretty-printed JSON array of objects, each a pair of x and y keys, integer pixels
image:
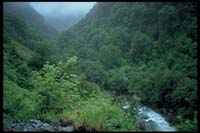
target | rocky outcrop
[{"x": 36, "y": 125}]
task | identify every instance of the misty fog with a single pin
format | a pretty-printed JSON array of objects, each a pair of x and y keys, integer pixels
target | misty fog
[{"x": 62, "y": 15}]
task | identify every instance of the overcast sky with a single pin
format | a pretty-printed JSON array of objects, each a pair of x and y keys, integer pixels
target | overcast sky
[{"x": 62, "y": 8}]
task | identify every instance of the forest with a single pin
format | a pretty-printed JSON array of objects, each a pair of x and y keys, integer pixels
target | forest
[{"x": 145, "y": 52}]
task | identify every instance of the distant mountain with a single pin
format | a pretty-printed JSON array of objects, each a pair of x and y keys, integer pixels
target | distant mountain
[
  {"x": 31, "y": 17},
  {"x": 24, "y": 11},
  {"x": 63, "y": 22}
]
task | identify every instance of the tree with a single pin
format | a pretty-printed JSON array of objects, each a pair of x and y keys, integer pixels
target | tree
[
  {"x": 118, "y": 80},
  {"x": 53, "y": 84},
  {"x": 140, "y": 47},
  {"x": 94, "y": 72},
  {"x": 110, "y": 56}
]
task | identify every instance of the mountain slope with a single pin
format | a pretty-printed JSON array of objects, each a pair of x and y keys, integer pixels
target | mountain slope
[
  {"x": 39, "y": 86},
  {"x": 63, "y": 22},
  {"x": 34, "y": 20},
  {"x": 23, "y": 42},
  {"x": 146, "y": 50},
  {"x": 24, "y": 11}
]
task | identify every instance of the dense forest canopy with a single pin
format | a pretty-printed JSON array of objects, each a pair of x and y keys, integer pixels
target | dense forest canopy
[{"x": 144, "y": 50}]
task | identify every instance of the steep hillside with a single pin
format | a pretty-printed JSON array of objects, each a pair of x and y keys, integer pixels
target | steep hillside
[
  {"x": 38, "y": 84},
  {"x": 35, "y": 21},
  {"x": 146, "y": 50},
  {"x": 24, "y": 11},
  {"x": 22, "y": 29}
]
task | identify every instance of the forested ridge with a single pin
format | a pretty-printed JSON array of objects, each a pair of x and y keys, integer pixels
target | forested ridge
[{"x": 146, "y": 51}]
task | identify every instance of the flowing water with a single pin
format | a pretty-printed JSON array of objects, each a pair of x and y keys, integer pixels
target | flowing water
[
  {"x": 151, "y": 116},
  {"x": 149, "y": 120}
]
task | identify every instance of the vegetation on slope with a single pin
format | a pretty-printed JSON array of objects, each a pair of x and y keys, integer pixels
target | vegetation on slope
[
  {"x": 148, "y": 50},
  {"x": 37, "y": 86},
  {"x": 145, "y": 50}
]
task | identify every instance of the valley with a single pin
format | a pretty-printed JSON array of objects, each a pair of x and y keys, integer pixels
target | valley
[{"x": 122, "y": 66}]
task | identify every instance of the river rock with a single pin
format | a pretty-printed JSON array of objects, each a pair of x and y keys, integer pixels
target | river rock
[
  {"x": 55, "y": 123},
  {"x": 13, "y": 125},
  {"x": 7, "y": 127},
  {"x": 18, "y": 127},
  {"x": 46, "y": 127},
  {"x": 150, "y": 126},
  {"x": 29, "y": 128},
  {"x": 68, "y": 128},
  {"x": 144, "y": 117},
  {"x": 36, "y": 125}
]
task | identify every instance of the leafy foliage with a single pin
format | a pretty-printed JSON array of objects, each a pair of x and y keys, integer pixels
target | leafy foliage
[
  {"x": 159, "y": 43},
  {"x": 145, "y": 50}
]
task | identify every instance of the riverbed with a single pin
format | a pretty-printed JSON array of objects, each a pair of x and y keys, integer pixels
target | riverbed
[{"x": 149, "y": 120}]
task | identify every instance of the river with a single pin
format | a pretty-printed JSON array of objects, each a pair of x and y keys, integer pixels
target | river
[{"x": 149, "y": 120}]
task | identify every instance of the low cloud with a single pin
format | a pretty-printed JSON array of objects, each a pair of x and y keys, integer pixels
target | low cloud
[{"x": 62, "y": 8}]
